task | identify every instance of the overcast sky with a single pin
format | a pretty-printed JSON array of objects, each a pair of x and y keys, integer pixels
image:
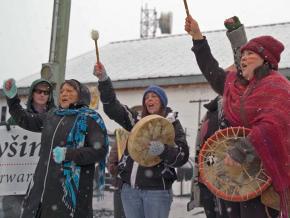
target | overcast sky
[{"x": 25, "y": 25}]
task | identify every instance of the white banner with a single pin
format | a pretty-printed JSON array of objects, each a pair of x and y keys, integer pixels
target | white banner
[{"x": 19, "y": 154}]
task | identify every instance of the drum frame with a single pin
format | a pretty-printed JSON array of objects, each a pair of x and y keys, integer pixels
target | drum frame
[{"x": 231, "y": 132}]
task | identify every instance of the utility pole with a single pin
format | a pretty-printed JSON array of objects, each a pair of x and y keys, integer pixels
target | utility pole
[
  {"x": 54, "y": 70},
  {"x": 199, "y": 107}
]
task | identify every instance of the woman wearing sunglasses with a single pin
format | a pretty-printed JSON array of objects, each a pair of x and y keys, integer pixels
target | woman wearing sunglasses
[{"x": 40, "y": 100}]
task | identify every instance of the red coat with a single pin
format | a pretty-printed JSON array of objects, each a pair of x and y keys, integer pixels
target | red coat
[{"x": 263, "y": 105}]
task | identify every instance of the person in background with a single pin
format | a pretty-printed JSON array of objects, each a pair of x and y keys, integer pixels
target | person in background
[
  {"x": 40, "y": 100},
  {"x": 112, "y": 165},
  {"x": 256, "y": 98},
  {"x": 213, "y": 121},
  {"x": 73, "y": 139},
  {"x": 146, "y": 191}
]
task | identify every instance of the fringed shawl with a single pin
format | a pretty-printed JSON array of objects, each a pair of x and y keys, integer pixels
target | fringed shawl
[{"x": 264, "y": 106}]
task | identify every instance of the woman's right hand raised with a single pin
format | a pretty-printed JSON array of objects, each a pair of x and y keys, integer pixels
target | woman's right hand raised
[
  {"x": 192, "y": 28},
  {"x": 100, "y": 71},
  {"x": 9, "y": 88}
]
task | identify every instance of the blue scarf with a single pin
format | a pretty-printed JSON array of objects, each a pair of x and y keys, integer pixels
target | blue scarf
[{"x": 76, "y": 139}]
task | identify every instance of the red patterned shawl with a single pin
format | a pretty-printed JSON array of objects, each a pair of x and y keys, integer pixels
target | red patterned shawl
[{"x": 264, "y": 106}]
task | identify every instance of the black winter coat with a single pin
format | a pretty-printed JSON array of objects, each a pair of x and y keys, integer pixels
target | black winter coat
[
  {"x": 214, "y": 74},
  {"x": 163, "y": 174},
  {"x": 211, "y": 122},
  {"x": 46, "y": 192}
]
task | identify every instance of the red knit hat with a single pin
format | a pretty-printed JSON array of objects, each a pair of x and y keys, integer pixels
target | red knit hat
[{"x": 267, "y": 47}]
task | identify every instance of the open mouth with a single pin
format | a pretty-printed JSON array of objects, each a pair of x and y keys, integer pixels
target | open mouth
[
  {"x": 150, "y": 106},
  {"x": 64, "y": 100},
  {"x": 244, "y": 65}
]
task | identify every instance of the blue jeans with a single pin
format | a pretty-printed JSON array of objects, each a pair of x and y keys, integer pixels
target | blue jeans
[{"x": 146, "y": 203}]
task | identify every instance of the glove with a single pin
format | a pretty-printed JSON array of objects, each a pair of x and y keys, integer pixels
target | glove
[
  {"x": 100, "y": 72},
  {"x": 156, "y": 148},
  {"x": 59, "y": 154},
  {"x": 241, "y": 151},
  {"x": 10, "y": 88},
  {"x": 171, "y": 117},
  {"x": 232, "y": 23}
]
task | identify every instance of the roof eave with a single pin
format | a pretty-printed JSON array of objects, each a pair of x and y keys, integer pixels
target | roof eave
[{"x": 162, "y": 81}]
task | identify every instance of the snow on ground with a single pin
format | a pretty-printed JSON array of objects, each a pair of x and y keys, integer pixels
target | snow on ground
[{"x": 104, "y": 208}]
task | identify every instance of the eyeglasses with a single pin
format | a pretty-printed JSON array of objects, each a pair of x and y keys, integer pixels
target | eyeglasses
[{"x": 39, "y": 91}]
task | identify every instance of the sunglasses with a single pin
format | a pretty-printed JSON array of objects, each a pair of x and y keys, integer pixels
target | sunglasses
[{"x": 39, "y": 91}]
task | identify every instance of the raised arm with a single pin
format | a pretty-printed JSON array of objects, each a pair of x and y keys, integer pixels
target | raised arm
[
  {"x": 237, "y": 36},
  {"x": 112, "y": 107},
  {"x": 23, "y": 118},
  {"x": 208, "y": 65}
]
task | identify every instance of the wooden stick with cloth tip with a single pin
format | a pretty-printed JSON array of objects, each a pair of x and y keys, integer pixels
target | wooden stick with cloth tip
[
  {"x": 186, "y": 7},
  {"x": 95, "y": 37}
]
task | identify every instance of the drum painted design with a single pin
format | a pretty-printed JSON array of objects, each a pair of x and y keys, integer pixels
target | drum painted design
[
  {"x": 149, "y": 128},
  {"x": 232, "y": 183}
]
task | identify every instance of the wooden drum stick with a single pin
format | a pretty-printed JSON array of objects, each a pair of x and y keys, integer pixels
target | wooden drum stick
[
  {"x": 186, "y": 7},
  {"x": 95, "y": 37}
]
